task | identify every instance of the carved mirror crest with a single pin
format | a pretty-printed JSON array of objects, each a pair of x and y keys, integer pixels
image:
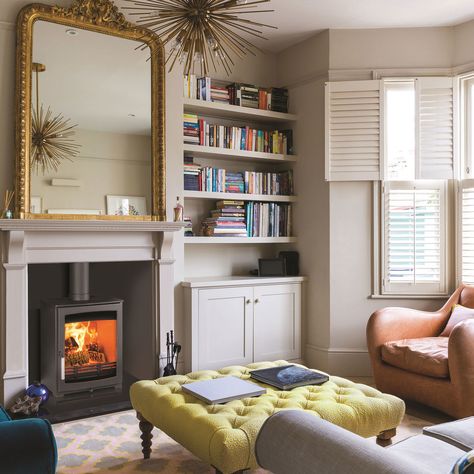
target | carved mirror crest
[{"x": 89, "y": 115}]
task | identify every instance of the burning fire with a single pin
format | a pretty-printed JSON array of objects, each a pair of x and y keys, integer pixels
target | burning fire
[
  {"x": 81, "y": 344},
  {"x": 77, "y": 332}
]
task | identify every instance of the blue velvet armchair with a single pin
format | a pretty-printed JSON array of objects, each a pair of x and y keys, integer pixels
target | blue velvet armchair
[{"x": 26, "y": 446}]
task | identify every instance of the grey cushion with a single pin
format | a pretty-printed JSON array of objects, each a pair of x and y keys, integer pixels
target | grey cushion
[
  {"x": 459, "y": 433},
  {"x": 431, "y": 453},
  {"x": 296, "y": 442}
]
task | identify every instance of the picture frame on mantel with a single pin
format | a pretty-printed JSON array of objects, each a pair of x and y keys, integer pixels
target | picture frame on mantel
[{"x": 99, "y": 17}]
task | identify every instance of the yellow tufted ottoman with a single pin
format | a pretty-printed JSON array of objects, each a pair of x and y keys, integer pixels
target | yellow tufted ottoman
[{"x": 224, "y": 435}]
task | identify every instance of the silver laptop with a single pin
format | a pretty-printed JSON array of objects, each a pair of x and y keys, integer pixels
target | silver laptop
[{"x": 223, "y": 389}]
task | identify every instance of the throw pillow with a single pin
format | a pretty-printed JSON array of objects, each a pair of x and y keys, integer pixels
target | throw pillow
[
  {"x": 458, "y": 314},
  {"x": 464, "y": 465}
]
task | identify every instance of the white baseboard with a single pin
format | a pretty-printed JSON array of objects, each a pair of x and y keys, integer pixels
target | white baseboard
[{"x": 339, "y": 361}]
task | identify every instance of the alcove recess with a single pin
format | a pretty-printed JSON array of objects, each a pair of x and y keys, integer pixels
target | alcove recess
[{"x": 128, "y": 281}]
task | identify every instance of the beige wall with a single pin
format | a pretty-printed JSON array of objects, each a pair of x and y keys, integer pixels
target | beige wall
[
  {"x": 107, "y": 164},
  {"x": 390, "y": 48},
  {"x": 334, "y": 220},
  {"x": 463, "y": 39}
]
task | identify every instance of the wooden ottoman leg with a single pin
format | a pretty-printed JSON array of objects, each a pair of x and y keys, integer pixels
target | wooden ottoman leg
[
  {"x": 385, "y": 438},
  {"x": 146, "y": 428}
]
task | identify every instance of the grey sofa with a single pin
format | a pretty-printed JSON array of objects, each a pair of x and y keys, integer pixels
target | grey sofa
[{"x": 295, "y": 442}]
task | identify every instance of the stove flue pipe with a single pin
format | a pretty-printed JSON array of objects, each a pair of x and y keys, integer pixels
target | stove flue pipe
[{"x": 79, "y": 281}]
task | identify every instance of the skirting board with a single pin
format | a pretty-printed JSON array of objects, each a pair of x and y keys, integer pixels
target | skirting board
[{"x": 335, "y": 361}]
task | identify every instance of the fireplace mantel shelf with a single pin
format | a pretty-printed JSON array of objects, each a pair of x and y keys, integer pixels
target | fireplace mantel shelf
[
  {"x": 46, "y": 225},
  {"x": 39, "y": 225}
]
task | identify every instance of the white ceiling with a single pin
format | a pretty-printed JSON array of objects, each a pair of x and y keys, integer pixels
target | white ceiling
[{"x": 299, "y": 19}]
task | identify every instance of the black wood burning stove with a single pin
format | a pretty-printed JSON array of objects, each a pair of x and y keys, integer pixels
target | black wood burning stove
[{"x": 81, "y": 339}]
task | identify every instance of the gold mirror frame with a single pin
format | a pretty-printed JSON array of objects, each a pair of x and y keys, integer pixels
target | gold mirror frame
[{"x": 101, "y": 16}]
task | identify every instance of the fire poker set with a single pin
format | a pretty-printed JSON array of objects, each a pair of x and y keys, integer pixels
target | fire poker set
[{"x": 172, "y": 353}]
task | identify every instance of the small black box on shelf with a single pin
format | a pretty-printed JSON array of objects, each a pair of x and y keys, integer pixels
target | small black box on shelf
[{"x": 292, "y": 265}]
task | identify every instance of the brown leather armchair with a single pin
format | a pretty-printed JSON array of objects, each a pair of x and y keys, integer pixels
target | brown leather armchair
[{"x": 451, "y": 391}]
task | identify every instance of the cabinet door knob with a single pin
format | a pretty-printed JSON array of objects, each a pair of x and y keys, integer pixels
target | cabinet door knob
[
  {"x": 248, "y": 301},
  {"x": 257, "y": 300}
]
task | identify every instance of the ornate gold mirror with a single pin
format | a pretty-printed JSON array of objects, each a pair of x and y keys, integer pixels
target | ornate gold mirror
[{"x": 89, "y": 115}]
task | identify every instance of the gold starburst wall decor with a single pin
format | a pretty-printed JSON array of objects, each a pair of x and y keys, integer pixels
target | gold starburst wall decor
[
  {"x": 51, "y": 136},
  {"x": 202, "y": 33}
]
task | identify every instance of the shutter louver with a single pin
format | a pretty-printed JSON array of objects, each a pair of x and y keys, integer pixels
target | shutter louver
[
  {"x": 467, "y": 232},
  {"x": 435, "y": 127},
  {"x": 353, "y": 117},
  {"x": 414, "y": 252}
]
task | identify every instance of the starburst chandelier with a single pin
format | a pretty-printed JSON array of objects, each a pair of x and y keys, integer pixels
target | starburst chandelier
[
  {"x": 51, "y": 139},
  {"x": 202, "y": 33}
]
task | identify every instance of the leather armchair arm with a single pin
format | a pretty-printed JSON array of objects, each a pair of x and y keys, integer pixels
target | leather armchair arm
[
  {"x": 392, "y": 324},
  {"x": 461, "y": 359}
]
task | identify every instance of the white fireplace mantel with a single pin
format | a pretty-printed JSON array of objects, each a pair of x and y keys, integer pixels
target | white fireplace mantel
[{"x": 25, "y": 242}]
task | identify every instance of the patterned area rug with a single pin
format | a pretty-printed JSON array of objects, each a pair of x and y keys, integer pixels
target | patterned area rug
[{"x": 111, "y": 444}]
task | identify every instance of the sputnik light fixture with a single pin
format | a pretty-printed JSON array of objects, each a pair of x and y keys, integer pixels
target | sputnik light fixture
[
  {"x": 202, "y": 33},
  {"x": 51, "y": 137}
]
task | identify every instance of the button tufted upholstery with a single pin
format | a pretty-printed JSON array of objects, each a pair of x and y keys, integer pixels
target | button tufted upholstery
[{"x": 224, "y": 435}]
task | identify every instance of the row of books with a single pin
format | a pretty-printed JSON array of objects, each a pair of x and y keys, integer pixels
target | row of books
[
  {"x": 253, "y": 219},
  {"x": 218, "y": 180},
  {"x": 247, "y": 95},
  {"x": 199, "y": 132},
  {"x": 268, "y": 219},
  {"x": 244, "y": 95}
]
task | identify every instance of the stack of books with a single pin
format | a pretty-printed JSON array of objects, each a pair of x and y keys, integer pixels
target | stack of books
[
  {"x": 268, "y": 219},
  {"x": 219, "y": 92},
  {"x": 191, "y": 129},
  {"x": 228, "y": 220},
  {"x": 188, "y": 227},
  {"x": 278, "y": 100},
  {"x": 245, "y": 95},
  {"x": 237, "y": 138},
  {"x": 192, "y": 174}
]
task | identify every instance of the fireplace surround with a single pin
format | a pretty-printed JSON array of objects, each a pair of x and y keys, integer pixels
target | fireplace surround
[{"x": 25, "y": 242}]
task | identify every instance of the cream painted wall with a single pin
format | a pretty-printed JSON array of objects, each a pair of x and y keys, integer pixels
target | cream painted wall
[
  {"x": 391, "y": 48},
  {"x": 335, "y": 233},
  {"x": 463, "y": 39},
  {"x": 107, "y": 164}
]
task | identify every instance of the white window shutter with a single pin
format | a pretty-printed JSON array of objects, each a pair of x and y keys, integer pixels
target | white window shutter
[
  {"x": 467, "y": 232},
  {"x": 435, "y": 128},
  {"x": 353, "y": 130},
  {"x": 414, "y": 237}
]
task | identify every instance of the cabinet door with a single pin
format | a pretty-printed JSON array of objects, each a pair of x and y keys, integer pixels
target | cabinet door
[
  {"x": 277, "y": 322},
  {"x": 225, "y": 326}
]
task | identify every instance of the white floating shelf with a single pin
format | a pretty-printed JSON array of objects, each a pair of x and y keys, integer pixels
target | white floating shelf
[
  {"x": 238, "y": 196},
  {"x": 199, "y": 151},
  {"x": 216, "y": 109},
  {"x": 239, "y": 240}
]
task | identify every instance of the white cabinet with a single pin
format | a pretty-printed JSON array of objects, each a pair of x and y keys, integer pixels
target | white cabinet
[{"x": 236, "y": 321}]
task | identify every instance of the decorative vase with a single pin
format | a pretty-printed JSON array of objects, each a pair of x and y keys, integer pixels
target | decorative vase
[{"x": 37, "y": 389}]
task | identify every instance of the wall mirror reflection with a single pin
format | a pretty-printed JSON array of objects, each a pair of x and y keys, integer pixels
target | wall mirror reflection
[
  {"x": 93, "y": 126},
  {"x": 95, "y": 91}
]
